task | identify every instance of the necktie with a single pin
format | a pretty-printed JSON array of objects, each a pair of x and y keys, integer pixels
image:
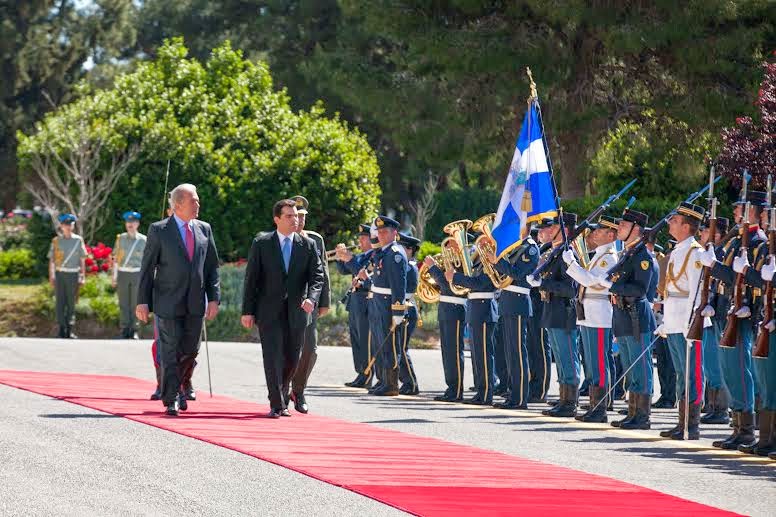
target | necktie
[
  {"x": 189, "y": 242},
  {"x": 286, "y": 252}
]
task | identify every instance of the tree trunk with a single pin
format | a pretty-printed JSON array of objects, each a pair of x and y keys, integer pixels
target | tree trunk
[
  {"x": 464, "y": 174},
  {"x": 9, "y": 173},
  {"x": 569, "y": 163}
]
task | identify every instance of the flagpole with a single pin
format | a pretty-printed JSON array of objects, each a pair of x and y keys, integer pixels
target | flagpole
[{"x": 534, "y": 99}]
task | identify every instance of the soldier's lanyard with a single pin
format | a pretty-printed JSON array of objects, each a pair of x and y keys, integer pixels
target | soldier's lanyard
[
  {"x": 129, "y": 255},
  {"x": 69, "y": 256}
]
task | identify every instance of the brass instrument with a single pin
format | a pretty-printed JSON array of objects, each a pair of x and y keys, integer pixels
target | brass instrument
[
  {"x": 428, "y": 291},
  {"x": 457, "y": 256},
  {"x": 332, "y": 254},
  {"x": 485, "y": 245},
  {"x": 580, "y": 246}
]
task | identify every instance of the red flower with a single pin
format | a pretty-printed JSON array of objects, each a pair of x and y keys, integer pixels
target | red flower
[
  {"x": 94, "y": 269},
  {"x": 105, "y": 266},
  {"x": 89, "y": 261},
  {"x": 89, "y": 250}
]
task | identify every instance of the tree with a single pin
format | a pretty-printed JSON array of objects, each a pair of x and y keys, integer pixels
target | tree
[
  {"x": 43, "y": 47},
  {"x": 425, "y": 206},
  {"x": 224, "y": 128},
  {"x": 751, "y": 145}
]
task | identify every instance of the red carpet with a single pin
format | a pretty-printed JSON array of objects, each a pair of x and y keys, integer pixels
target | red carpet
[{"x": 423, "y": 476}]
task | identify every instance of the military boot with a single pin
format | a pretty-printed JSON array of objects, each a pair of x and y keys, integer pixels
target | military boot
[
  {"x": 693, "y": 424},
  {"x": 765, "y": 443},
  {"x": 631, "y": 411},
  {"x": 718, "y": 407},
  {"x": 743, "y": 432},
  {"x": 391, "y": 386},
  {"x": 157, "y": 395},
  {"x": 559, "y": 402},
  {"x": 597, "y": 411},
  {"x": 567, "y": 407},
  {"x": 640, "y": 420},
  {"x": 679, "y": 427},
  {"x": 735, "y": 423}
]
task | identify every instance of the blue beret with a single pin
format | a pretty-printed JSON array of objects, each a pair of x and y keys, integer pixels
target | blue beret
[
  {"x": 67, "y": 218},
  {"x": 131, "y": 216}
]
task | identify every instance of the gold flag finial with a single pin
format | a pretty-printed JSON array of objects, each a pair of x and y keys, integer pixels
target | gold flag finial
[{"x": 534, "y": 94}]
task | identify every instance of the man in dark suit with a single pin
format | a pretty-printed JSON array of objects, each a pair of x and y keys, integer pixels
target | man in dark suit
[
  {"x": 283, "y": 282},
  {"x": 179, "y": 283}
]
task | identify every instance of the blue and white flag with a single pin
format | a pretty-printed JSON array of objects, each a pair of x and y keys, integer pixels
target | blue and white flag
[{"x": 529, "y": 193}]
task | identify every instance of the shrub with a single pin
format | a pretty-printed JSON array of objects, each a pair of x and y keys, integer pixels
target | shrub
[
  {"x": 427, "y": 248},
  {"x": 16, "y": 264},
  {"x": 460, "y": 204}
]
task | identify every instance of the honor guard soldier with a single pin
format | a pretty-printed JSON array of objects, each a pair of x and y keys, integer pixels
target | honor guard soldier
[
  {"x": 633, "y": 321},
  {"x": 719, "y": 304},
  {"x": 407, "y": 375},
  {"x": 539, "y": 355},
  {"x": 764, "y": 361},
  {"x": 515, "y": 310},
  {"x": 558, "y": 291},
  {"x": 67, "y": 271},
  {"x": 356, "y": 304},
  {"x": 679, "y": 300},
  {"x": 127, "y": 256},
  {"x": 736, "y": 357},
  {"x": 594, "y": 314},
  {"x": 310, "y": 347},
  {"x": 481, "y": 316},
  {"x": 451, "y": 314},
  {"x": 666, "y": 373},
  {"x": 387, "y": 308}
]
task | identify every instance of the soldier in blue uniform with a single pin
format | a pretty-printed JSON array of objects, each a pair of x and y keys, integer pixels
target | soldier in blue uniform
[
  {"x": 737, "y": 361},
  {"x": 633, "y": 322},
  {"x": 719, "y": 304},
  {"x": 515, "y": 310},
  {"x": 539, "y": 355},
  {"x": 481, "y": 316},
  {"x": 765, "y": 373},
  {"x": 387, "y": 307},
  {"x": 409, "y": 381},
  {"x": 558, "y": 290},
  {"x": 451, "y": 314},
  {"x": 356, "y": 304}
]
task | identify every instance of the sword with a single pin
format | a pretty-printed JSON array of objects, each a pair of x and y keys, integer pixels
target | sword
[{"x": 368, "y": 369}]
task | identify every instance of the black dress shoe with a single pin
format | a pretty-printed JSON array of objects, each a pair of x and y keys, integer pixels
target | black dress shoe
[
  {"x": 157, "y": 395},
  {"x": 663, "y": 404},
  {"x": 285, "y": 412},
  {"x": 536, "y": 400},
  {"x": 407, "y": 389},
  {"x": 190, "y": 393},
  {"x": 299, "y": 403},
  {"x": 172, "y": 408},
  {"x": 508, "y": 404},
  {"x": 184, "y": 405},
  {"x": 274, "y": 413},
  {"x": 474, "y": 401}
]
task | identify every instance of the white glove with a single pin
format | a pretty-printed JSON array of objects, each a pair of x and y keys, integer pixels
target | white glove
[
  {"x": 603, "y": 282},
  {"x": 398, "y": 320},
  {"x": 660, "y": 331},
  {"x": 532, "y": 281},
  {"x": 768, "y": 269},
  {"x": 568, "y": 257},
  {"x": 770, "y": 326},
  {"x": 708, "y": 312},
  {"x": 743, "y": 312},
  {"x": 740, "y": 263},
  {"x": 707, "y": 256}
]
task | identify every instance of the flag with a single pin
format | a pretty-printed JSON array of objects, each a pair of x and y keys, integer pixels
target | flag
[{"x": 529, "y": 193}]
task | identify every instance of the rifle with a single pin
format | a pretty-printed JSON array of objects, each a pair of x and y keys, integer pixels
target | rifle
[
  {"x": 646, "y": 236},
  {"x": 762, "y": 344},
  {"x": 730, "y": 336},
  {"x": 581, "y": 227},
  {"x": 695, "y": 331}
]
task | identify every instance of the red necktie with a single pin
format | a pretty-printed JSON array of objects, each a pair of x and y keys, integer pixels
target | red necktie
[{"x": 189, "y": 242}]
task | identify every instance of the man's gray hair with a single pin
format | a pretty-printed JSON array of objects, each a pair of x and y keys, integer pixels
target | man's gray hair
[{"x": 176, "y": 194}]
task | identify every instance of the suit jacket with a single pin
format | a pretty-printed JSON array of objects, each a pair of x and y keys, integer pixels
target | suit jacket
[
  {"x": 267, "y": 284},
  {"x": 170, "y": 284}
]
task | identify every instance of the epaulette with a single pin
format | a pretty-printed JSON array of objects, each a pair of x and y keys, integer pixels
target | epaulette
[
  {"x": 395, "y": 248},
  {"x": 314, "y": 233},
  {"x": 54, "y": 238}
]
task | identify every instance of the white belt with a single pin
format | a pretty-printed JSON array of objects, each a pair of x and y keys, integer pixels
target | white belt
[
  {"x": 480, "y": 296},
  {"x": 595, "y": 296},
  {"x": 129, "y": 269},
  {"x": 671, "y": 294},
  {"x": 381, "y": 290},
  {"x": 69, "y": 269},
  {"x": 452, "y": 299},
  {"x": 517, "y": 289}
]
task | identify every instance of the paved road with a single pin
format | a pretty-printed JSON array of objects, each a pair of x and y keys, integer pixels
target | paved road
[{"x": 58, "y": 457}]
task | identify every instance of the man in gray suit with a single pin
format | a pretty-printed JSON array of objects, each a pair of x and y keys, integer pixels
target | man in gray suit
[
  {"x": 283, "y": 282},
  {"x": 179, "y": 283}
]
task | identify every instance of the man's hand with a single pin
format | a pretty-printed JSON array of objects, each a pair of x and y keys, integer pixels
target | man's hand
[
  {"x": 81, "y": 279},
  {"x": 768, "y": 269},
  {"x": 708, "y": 311},
  {"x": 449, "y": 276},
  {"x": 568, "y": 257},
  {"x": 141, "y": 311},
  {"x": 530, "y": 280},
  {"x": 363, "y": 275},
  {"x": 211, "y": 311},
  {"x": 113, "y": 283},
  {"x": 660, "y": 331},
  {"x": 247, "y": 320},
  {"x": 603, "y": 282},
  {"x": 428, "y": 261},
  {"x": 323, "y": 311},
  {"x": 740, "y": 263},
  {"x": 708, "y": 257},
  {"x": 308, "y": 306},
  {"x": 52, "y": 280}
]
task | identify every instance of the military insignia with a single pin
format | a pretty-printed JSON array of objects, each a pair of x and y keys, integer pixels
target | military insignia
[
  {"x": 397, "y": 258},
  {"x": 379, "y": 223},
  {"x": 698, "y": 264},
  {"x": 645, "y": 264},
  {"x": 525, "y": 259},
  {"x": 604, "y": 263},
  {"x": 532, "y": 251}
]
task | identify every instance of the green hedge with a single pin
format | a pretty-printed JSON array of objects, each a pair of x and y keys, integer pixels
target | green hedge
[
  {"x": 16, "y": 264},
  {"x": 460, "y": 204}
]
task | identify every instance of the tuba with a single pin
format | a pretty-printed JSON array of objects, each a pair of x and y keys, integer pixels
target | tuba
[
  {"x": 457, "y": 257},
  {"x": 428, "y": 290},
  {"x": 484, "y": 245}
]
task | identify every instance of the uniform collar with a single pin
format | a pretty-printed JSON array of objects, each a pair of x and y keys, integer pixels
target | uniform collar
[{"x": 685, "y": 244}]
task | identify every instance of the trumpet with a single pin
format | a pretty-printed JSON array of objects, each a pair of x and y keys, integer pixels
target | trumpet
[
  {"x": 485, "y": 245},
  {"x": 332, "y": 254}
]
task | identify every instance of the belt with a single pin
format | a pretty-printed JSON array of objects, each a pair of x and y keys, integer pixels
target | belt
[
  {"x": 129, "y": 269},
  {"x": 69, "y": 269},
  {"x": 595, "y": 296},
  {"x": 517, "y": 289},
  {"x": 671, "y": 294},
  {"x": 381, "y": 290},
  {"x": 480, "y": 296},
  {"x": 452, "y": 299}
]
